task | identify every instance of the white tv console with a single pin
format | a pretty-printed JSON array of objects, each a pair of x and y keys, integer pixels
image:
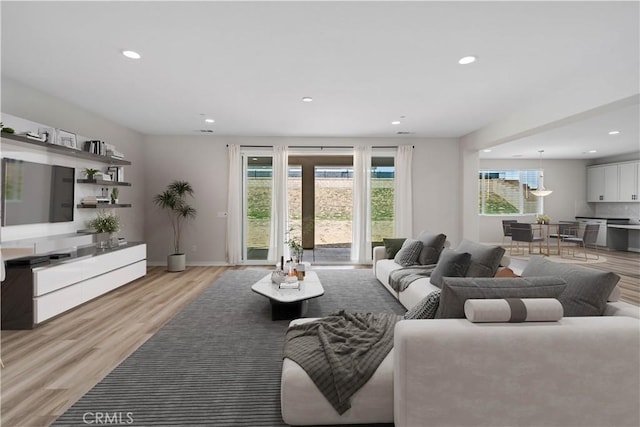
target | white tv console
[{"x": 34, "y": 293}]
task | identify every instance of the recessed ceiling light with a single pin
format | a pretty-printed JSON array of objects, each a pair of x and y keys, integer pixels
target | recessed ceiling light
[
  {"x": 592, "y": 151},
  {"x": 467, "y": 60},
  {"x": 209, "y": 120},
  {"x": 307, "y": 99},
  {"x": 395, "y": 122},
  {"x": 614, "y": 132},
  {"x": 131, "y": 54},
  {"x": 486, "y": 150}
]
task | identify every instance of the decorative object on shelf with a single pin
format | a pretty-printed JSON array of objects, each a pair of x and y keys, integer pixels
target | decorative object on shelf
[
  {"x": 106, "y": 223},
  {"x": 66, "y": 139},
  {"x": 543, "y": 219},
  {"x": 49, "y": 134},
  {"x": 90, "y": 173},
  {"x": 541, "y": 191},
  {"x": 7, "y": 130},
  {"x": 174, "y": 200},
  {"x": 35, "y": 136},
  {"x": 114, "y": 195}
]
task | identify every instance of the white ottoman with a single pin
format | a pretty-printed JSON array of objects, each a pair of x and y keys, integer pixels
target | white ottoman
[{"x": 303, "y": 404}]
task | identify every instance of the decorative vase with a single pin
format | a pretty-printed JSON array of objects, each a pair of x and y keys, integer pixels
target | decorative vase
[{"x": 176, "y": 262}]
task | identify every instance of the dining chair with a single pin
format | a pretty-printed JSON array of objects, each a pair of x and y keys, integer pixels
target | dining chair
[
  {"x": 566, "y": 229},
  {"x": 523, "y": 232},
  {"x": 506, "y": 228},
  {"x": 589, "y": 238}
]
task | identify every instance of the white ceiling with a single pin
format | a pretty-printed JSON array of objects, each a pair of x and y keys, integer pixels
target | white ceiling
[
  {"x": 248, "y": 64},
  {"x": 576, "y": 140}
]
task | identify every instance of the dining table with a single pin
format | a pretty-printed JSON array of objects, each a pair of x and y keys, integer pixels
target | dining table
[{"x": 546, "y": 229}]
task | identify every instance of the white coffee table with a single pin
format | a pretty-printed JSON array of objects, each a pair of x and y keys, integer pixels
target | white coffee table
[{"x": 289, "y": 303}]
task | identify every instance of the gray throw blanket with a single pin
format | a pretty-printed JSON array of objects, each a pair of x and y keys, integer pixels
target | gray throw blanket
[
  {"x": 400, "y": 279},
  {"x": 341, "y": 352}
]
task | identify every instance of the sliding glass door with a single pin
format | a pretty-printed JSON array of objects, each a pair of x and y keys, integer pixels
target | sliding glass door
[{"x": 320, "y": 203}]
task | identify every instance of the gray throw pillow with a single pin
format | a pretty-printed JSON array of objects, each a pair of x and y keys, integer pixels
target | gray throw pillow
[
  {"x": 432, "y": 246},
  {"x": 485, "y": 259},
  {"x": 451, "y": 264},
  {"x": 408, "y": 254},
  {"x": 455, "y": 291},
  {"x": 587, "y": 289},
  {"x": 392, "y": 246},
  {"x": 425, "y": 309}
]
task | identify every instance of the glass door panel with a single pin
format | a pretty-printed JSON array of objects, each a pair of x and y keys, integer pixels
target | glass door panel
[
  {"x": 258, "y": 190},
  {"x": 382, "y": 199},
  {"x": 333, "y": 206}
]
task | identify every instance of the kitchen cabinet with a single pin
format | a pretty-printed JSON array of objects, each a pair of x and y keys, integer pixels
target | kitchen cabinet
[
  {"x": 629, "y": 180},
  {"x": 618, "y": 182}
]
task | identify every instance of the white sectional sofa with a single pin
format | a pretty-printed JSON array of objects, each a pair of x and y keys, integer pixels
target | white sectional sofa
[{"x": 579, "y": 371}]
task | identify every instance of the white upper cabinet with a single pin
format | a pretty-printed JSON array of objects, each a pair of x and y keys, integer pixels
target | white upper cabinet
[
  {"x": 629, "y": 181},
  {"x": 619, "y": 182},
  {"x": 595, "y": 184}
]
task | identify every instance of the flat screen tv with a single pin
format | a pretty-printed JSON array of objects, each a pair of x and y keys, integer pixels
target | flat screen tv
[{"x": 35, "y": 193}]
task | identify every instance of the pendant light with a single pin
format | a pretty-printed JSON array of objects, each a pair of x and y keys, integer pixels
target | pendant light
[{"x": 541, "y": 191}]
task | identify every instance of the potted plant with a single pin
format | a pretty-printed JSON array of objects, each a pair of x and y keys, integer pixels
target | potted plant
[
  {"x": 543, "y": 219},
  {"x": 105, "y": 223},
  {"x": 295, "y": 246},
  {"x": 114, "y": 195},
  {"x": 174, "y": 201},
  {"x": 90, "y": 172}
]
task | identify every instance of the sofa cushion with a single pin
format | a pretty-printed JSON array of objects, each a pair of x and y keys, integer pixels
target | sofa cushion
[
  {"x": 513, "y": 310},
  {"x": 408, "y": 254},
  {"x": 485, "y": 259},
  {"x": 425, "y": 309},
  {"x": 587, "y": 288},
  {"x": 452, "y": 263},
  {"x": 432, "y": 246},
  {"x": 455, "y": 291},
  {"x": 392, "y": 246}
]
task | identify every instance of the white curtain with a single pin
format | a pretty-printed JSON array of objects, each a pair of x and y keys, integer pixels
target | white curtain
[
  {"x": 279, "y": 207},
  {"x": 234, "y": 206},
  {"x": 403, "y": 203},
  {"x": 361, "y": 223}
]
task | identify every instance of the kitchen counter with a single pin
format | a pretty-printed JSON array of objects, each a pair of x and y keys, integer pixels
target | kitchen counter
[
  {"x": 627, "y": 226},
  {"x": 608, "y": 218}
]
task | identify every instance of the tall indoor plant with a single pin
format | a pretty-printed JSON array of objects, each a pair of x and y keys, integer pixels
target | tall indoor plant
[{"x": 174, "y": 201}]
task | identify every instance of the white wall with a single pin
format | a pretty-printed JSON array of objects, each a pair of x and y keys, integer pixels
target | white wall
[
  {"x": 567, "y": 179},
  {"x": 202, "y": 160},
  {"x": 35, "y": 106}
]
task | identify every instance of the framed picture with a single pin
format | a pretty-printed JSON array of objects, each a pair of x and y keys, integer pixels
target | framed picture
[{"x": 66, "y": 139}]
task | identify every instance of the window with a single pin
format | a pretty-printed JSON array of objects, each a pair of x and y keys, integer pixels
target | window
[{"x": 508, "y": 192}]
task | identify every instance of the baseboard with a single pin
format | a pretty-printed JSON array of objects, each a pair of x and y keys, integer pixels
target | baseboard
[{"x": 633, "y": 249}]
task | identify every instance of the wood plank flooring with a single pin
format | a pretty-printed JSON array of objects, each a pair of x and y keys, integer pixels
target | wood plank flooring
[{"x": 49, "y": 368}]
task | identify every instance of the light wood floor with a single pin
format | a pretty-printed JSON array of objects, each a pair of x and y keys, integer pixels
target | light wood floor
[{"x": 49, "y": 368}]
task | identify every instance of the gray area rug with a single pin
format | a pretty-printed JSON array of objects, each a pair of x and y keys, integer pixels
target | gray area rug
[{"x": 218, "y": 362}]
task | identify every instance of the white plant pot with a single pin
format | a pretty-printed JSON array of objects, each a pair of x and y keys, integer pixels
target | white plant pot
[{"x": 176, "y": 262}]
